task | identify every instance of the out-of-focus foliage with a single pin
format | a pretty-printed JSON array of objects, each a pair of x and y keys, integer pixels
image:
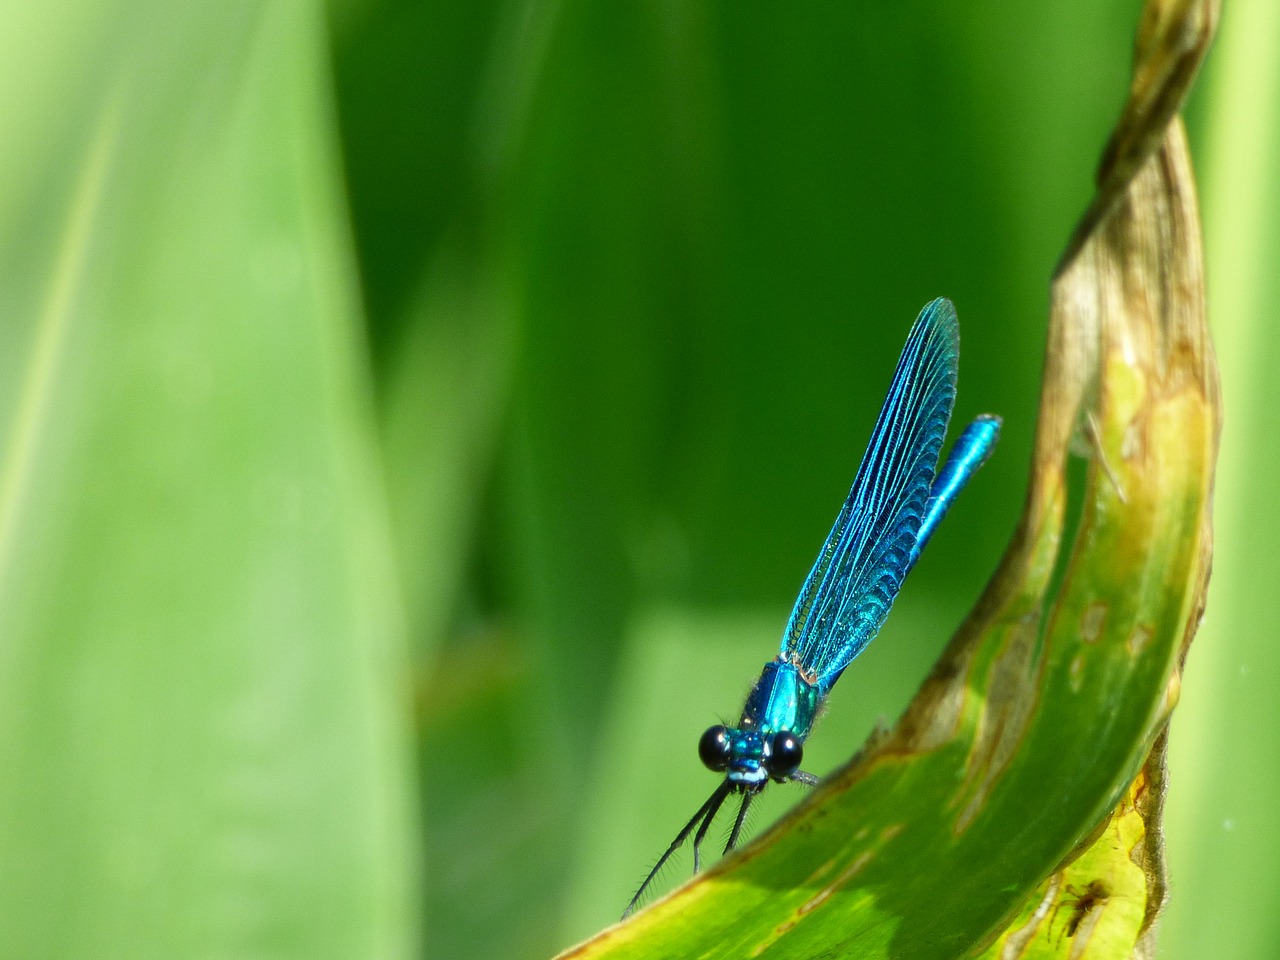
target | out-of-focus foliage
[
  {"x": 633, "y": 279},
  {"x": 1225, "y": 759},
  {"x": 201, "y": 668}
]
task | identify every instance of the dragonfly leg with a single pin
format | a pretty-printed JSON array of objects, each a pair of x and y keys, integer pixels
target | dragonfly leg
[
  {"x": 707, "y": 811},
  {"x": 702, "y": 831},
  {"x": 737, "y": 823}
]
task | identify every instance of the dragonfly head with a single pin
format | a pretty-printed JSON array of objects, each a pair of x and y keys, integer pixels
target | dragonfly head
[{"x": 750, "y": 758}]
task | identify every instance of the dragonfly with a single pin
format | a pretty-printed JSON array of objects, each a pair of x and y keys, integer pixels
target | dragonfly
[{"x": 898, "y": 498}]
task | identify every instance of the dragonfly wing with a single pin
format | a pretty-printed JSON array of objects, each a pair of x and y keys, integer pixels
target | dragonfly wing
[{"x": 858, "y": 574}]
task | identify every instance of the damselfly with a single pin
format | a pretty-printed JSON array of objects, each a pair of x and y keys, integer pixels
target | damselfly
[{"x": 898, "y": 498}]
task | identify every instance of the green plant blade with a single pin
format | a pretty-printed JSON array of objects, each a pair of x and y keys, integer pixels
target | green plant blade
[
  {"x": 196, "y": 629},
  {"x": 1103, "y": 902},
  {"x": 1037, "y": 720}
]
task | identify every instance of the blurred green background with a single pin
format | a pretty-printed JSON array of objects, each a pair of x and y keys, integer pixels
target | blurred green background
[{"x": 418, "y": 419}]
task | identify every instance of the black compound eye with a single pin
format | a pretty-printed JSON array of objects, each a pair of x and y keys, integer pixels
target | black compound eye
[
  {"x": 714, "y": 748},
  {"x": 785, "y": 755}
]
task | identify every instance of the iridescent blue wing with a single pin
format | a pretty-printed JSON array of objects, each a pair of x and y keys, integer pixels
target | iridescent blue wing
[{"x": 869, "y": 550}]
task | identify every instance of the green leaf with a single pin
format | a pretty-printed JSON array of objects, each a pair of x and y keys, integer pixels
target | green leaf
[
  {"x": 1042, "y": 712},
  {"x": 1101, "y": 903},
  {"x": 203, "y": 734}
]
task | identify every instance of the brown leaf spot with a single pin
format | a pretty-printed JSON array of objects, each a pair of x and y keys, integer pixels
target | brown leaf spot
[
  {"x": 1076, "y": 672},
  {"x": 1140, "y": 639},
  {"x": 1091, "y": 625}
]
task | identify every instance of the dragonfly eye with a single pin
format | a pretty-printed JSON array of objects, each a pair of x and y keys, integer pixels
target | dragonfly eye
[
  {"x": 715, "y": 748},
  {"x": 785, "y": 755}
]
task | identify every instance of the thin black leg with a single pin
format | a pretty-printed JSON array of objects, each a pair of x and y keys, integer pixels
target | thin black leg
[
  {"x": 702, "y": 830},
  {"x": 707, "y": 810},
  {"x": 737, "y": 824}
]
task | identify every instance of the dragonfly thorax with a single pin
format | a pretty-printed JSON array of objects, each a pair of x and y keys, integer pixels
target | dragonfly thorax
[{"x": 768, "y": 741}]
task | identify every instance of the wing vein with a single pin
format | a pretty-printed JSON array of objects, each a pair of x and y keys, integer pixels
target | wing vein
[{"x": 865, "y": 557}]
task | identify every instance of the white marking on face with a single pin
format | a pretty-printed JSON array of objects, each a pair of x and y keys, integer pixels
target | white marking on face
[{"x": 758, "y": 775}]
